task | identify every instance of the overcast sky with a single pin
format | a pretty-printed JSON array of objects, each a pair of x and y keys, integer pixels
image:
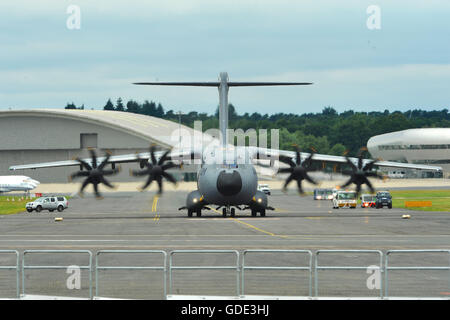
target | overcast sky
[{"x": 404, "y": 64}]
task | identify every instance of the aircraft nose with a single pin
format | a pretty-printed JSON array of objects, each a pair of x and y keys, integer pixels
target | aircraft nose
[{"x": 229, "y": 183}]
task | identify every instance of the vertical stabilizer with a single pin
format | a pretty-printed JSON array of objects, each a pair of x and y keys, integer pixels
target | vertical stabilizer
[
  {"x": 223, "y": 85},
  {"x": 223, "y": 106}
]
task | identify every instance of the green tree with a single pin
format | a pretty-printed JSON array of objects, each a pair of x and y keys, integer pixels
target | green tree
[
  {"x": 109, "y": 105},
  {"x": 119, "y": 105}
]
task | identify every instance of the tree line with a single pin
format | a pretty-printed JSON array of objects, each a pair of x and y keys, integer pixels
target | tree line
[{"x": 327, "y": 131}]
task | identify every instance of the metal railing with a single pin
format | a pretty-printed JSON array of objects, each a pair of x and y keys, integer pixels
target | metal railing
[
  {"x": 229, "y": 267},
  {"x": 386, "y": 264},
  {"x": 16, "y": 267},
  {"x": 278, "y": 268},
  {"x": 318, "y": 267},
  {"x": 99, "y": 267},
  {"x": 418, "y": 268},
  {"x": 47, "y": 267}
]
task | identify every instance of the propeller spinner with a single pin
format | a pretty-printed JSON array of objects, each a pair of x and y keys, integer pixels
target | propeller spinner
[
  {"x": 298, "y": 170},
  {"x": 156, "y": 170},
  {"x": 359, "y": 174},
  {"x": 94, "y": 174}
]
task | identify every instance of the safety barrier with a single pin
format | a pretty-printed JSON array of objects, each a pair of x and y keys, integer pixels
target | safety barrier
[
  {"x": 206, "y": 267},
  {"x": 418, "y": 268},
  {"x": 42, "y": 267},
  {"x": 318, "y": 267},
  {"x": 16, "y": 267},
  {"x": 99, "y": 267},
  {"x": 278, "y": 268},
  {"x": 241, "y": 266}
]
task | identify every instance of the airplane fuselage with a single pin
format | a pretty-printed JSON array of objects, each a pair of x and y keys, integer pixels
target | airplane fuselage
[
  {"x": 227, "y": 184},
  {"x": 17, "y": 183}
]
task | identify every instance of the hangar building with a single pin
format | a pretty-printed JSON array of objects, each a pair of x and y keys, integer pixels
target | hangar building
[
  {"x": 420, "y": 146},
  {"x": 43, "y": 135}
]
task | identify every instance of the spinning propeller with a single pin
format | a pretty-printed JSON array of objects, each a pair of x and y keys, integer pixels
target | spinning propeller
[
  {"x": 155, "y": 170},
  {"x": 298, "y": 170},
  {"x": 359, "y": 174},
  {"x": 94, "y": 174}
]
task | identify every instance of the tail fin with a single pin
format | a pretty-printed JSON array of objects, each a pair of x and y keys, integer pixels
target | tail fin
[{"x": 223, "y": 85}]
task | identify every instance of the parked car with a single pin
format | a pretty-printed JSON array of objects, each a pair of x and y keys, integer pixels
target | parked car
[
  {"x": 264, "y": 188},
  {"x": 383, "y": 198},
  {"x": 323, "y": 194},
  {"x": 48, "y": 203},
  {"x": 367, "y": 201},
  {"x": 345, "y": 199}
]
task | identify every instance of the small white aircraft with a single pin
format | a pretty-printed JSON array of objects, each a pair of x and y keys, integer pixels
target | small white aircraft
[{"x": 17, "y": 183}]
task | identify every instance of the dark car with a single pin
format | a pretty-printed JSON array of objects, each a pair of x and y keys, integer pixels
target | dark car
[{"x": 383, "y": 198}]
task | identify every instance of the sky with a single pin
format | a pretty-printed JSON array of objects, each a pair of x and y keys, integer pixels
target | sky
[{"x": 396, "y": 57}]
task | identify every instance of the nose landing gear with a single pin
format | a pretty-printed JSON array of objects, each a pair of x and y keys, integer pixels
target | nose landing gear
[{"x": 227, "y": 210}]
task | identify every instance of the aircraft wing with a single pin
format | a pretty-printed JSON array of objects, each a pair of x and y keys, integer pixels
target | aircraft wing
[
  {"x": 271, "y": 154},
  {"x": 175, "y": 156}
]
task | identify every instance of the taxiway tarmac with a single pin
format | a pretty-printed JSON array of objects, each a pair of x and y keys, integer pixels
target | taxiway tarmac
[{"x": 133, "y": 220}]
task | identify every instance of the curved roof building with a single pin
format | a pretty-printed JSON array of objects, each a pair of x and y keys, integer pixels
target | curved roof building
[
  {"x": 40, "y": 135},
  {"x": 420, "y": 146}
]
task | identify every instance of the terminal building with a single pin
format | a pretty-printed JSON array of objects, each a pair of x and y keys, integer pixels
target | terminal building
[
  {"x": 419, "y": 146},
  {"x": 45, "y": 135}
]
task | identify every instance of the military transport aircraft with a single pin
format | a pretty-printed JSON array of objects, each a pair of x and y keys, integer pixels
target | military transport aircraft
[{"x": 226, "y": 176}]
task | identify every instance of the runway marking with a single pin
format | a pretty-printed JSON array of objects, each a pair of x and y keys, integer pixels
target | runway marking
[
  {"x": 252, "y": 226},
  {"x": 258, "y": 229},
  {"x": 154, "y": 208}
]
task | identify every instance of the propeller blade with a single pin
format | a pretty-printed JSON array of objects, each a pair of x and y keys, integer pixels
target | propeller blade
[
  {"x": 285, "y": 170},
  {"x": 309, "y": 179},
  {"x": 104, "y": 162},
  {"x": 106, "y": 182},
  {"x": 94, "y": 158},
  {"x": 160, "y": 185},
  {"x": 169, "y": 177},
  {"x": 164, "y": 157},
  {"x": 288, "y": 180},
  {"x": 84, "y": 164},
  {"x": 349, "y": 182},
  {"x": 148, "y": 182},
  {"x": 79, "y": 174},
  {"x": 169, "y": 165},
  {"x": 152, "y": 154},
  {"x": 299, "y": 186},
  {"x": 369, "y": 184},
  {"x": 286, "y": 160}
]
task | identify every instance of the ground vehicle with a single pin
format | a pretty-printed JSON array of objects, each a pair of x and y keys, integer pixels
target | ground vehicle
[
  {"x": 367, "y": 201},
  {"x": 323, "y": 194},
  {"x": 264, "y": 188},
  {"x": 383, "y": 198},
  {"x": 48, "y": 203},
  {"x": 345, "y": 199}
]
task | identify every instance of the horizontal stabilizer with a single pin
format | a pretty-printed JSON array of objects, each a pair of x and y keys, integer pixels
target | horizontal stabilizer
[{"x": 216, "y": 84}]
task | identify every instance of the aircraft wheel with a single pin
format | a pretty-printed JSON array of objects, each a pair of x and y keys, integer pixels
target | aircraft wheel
[
  {"x": 253, "y": 213},
  {"x": 189, "y": 213},
  {"x": 233, "y": 212},
  {"x": 224, "y": 212},
  {"x": 199, "y": 212},
  {"x": 262, "y": 213}
]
